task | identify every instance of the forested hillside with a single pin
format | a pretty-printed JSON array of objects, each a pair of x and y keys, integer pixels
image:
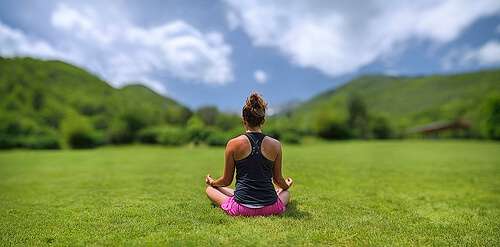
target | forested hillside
[
  {"x": 401, "y": 103},
  {"x": 52, "y": 104},
  {"x": 40, "y": 100}
]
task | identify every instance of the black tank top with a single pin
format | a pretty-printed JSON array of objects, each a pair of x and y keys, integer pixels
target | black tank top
[{"x": 254, "y": 176}]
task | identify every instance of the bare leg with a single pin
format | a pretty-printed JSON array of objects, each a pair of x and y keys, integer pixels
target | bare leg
[
  {"x": 226, "y": 191},
  {"x": 284, "y": 196},
  {"x": 216, "y": 196}
]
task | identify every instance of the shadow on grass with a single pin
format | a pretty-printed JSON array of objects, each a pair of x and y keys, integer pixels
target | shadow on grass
[{"x": 293, "y": 212}]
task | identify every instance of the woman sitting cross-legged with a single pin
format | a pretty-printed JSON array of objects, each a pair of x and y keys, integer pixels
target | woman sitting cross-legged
[{"x": 257, "y": 160}]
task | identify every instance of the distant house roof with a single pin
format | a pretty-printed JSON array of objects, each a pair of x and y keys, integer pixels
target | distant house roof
[{"x": 440, "y": 126}]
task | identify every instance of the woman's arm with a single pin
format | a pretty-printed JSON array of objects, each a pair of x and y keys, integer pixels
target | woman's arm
[
  {"x": 277, "y": 175},
  {"x": 227, "y": 178}
]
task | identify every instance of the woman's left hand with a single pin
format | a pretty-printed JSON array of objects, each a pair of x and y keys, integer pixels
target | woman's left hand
[{"x": 209, "y": 180}]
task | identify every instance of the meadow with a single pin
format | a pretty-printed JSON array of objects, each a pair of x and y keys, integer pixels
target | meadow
[{"x": 345, "y": 193}]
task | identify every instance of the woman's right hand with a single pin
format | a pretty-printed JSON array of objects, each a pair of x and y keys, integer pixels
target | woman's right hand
[
  {"x": 209, "y": 180},
  {"x": 289, "y": 182}
]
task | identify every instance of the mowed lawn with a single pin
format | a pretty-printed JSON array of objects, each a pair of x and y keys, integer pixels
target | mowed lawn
[{"x": 345, "y": 193}]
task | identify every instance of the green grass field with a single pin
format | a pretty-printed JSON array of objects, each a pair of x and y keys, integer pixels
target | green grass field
[{"x": 345, "y": 193}]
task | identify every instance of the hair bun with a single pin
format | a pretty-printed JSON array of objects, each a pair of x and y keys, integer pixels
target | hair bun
[
  {"x": 256, "y": 103},
  {"x": 255, "y": 100},
  {"x": 254, "y": 110}
]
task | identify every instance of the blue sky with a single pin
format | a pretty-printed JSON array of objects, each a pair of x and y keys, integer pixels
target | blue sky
[{"x": 217, "y": 52}]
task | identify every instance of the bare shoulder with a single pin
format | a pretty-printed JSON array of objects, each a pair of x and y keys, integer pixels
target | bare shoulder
[
  {"x": 237, "y": 142},
  {"x": 271, "y": 142},
  {"x": 238, "y": 146}
]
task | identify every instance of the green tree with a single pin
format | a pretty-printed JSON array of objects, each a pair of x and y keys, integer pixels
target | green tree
[
  {"x": 119, "y": 132},
  {"x": 38, "y": 100},
  {"x": 380, "y": 128},
  {"x": 330, "y": 126},
  {"x": 172, "y": 135},
  {"x": 177, "y": 115},
  {"x": 228, "y": 121},
  {"x": 491, "y": 117},
  {"x": 358, "y": 116},
  {"x": 208, "y": 114},
  {"x": 78, "y": 132},
  {"x": 197, "y": 130}
]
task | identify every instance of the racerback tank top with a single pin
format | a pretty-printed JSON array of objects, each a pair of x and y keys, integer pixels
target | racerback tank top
[{"x": 254, "y": 176}]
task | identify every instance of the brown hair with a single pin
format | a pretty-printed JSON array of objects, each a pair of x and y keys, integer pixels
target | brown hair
[{"x": 254, "y": 111}]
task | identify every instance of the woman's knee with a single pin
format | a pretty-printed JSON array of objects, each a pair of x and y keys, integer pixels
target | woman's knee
[
  {"x": 286, "y": 193},
  {"x": 284, "y": 196},
  {"x": 209, "y": 189},
  {"x": 215, "y": 195}
]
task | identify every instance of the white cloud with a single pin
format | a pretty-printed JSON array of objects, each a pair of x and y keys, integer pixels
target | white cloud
[
  {"x": 14, "y": 42},
  {"x": 487, "y": 54},
  {"x": 260, "y": 76},
  {"x": 184, "y": 51},
  {"x": 338, "y": 37},
  {"x": 82, "y": 22},
  {"x": 122, "y": 52}
]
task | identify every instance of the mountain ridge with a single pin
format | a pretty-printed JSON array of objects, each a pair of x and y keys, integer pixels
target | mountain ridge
[
  {"x": 407, "y": 100},
  {"x": 36, "y": 96}
]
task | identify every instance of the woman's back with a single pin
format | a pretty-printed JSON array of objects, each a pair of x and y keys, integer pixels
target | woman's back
[
  {"x": 242, "y": 147},
  {"x": 254, "y": 172}
]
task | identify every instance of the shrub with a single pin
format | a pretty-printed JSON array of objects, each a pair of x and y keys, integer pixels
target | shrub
[
  {"x": 273, "y": 132},
  {"x": 78, "y": 132},
  {"x": 7, "y": 141},
  {"x": 47, "y": 141},
  {"x": 165, "y": 134},
  {"x": 292, "y": 137},
  {"x": 119, "y": 133},
  {"x": 135, "y": 120},
  {"x": 329, "y": 127},
  {"x": 177, "y": 115},
  {"x": 149, "y": 135},
  {"x": 217, "y": 138},
  {"x": 82, "y": 139},
  {"x": 227, "y": 122},
  {"x": 491, "y": 118},
  {"x": 380, "y": 128},
  {"x": 172, "y": 136},
  {"x": 126, "y": 127},
  {"x": 21, "y": 132},
  {"x": 288, "y": 135},
  {"x": 12, "y": 125},
  {"x": 198, "y": 132},
  {"x": 358, "y": 120},
  {"x": 208, "y": 114},
  {"x": 334, "y": 130},
  {"x": 284, "y": 129}
]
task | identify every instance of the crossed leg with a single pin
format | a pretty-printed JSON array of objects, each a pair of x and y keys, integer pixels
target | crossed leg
[
  {"x": 284, "y": 196},
  {"x": 219, "y": 195}
]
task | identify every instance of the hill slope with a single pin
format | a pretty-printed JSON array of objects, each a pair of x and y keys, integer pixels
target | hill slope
[
  {"x": 407, "y": 101},
  {"x": 35, "y": 96}
]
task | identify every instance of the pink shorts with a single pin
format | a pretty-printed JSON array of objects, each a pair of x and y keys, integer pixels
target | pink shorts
[{"x": 233, "y": 208}]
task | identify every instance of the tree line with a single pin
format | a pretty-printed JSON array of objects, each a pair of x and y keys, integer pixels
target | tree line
[{"x": 52, "y": 105}]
